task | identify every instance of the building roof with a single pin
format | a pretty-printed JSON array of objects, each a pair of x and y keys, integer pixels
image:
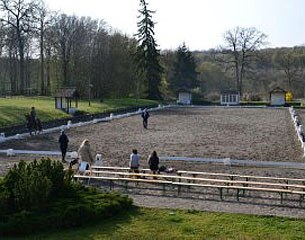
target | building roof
[
  {"x": 67, "y": 93},
  {"x": 183, "y": 89},
  {"x": 229, "y": 92},
  {"x": 278, "y": 90}
]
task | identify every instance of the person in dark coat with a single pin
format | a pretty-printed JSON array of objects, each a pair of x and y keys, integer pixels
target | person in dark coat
[
  {"x": 145, "y": 115},
  {"x": 63, "y": 144},
  {"x": 153, "y": 162},
  {"x": 33, "y": 114}
]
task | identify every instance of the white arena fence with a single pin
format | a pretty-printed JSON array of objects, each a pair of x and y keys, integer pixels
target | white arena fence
[
  {"x": 223, "y": 161},
  {"x": 69, "y": 124},
  {"x": 298, "y": 128}
]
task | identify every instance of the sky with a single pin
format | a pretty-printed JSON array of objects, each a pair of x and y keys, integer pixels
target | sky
[{"x": 200, "y": 24}]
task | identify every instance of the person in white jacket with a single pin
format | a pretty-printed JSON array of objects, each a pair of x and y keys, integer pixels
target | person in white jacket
[{"x": 85, "y": 156}]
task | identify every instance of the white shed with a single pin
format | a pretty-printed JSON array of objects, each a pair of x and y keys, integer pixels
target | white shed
[
  {"x": 278, "y": 97},
  {"x": 184, "y": 98},
  {"x": 229, "y": 97}
]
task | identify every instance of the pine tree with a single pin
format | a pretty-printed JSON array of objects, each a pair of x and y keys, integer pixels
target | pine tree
[
  {"x": 147, "y": 55},
  {"x": 184, "y": 75}
]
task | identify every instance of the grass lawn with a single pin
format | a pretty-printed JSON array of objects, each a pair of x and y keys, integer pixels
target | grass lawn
[
  {"x": 12, "y": 110},
  {"x": 169, "y": 224}
]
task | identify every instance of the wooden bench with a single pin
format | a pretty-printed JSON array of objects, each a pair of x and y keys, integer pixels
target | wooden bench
[
  {"x": 125, "y": 180},
  {"x": 241, "y": 188},
  {"x": 180, "y": 178},
  {"x": 181, "y": 181},
  {"x": 110, "y": 180},
  {"x": 106, "y": 168},
  {"x": 109, "y": 168},
  {"x": 246, "y": 177}
]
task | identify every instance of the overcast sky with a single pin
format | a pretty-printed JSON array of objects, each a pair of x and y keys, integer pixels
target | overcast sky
[{"x": 199, "y": 23}]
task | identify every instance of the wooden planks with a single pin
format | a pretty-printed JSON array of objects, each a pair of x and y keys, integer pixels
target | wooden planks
[{"x": 238, "y": 183}]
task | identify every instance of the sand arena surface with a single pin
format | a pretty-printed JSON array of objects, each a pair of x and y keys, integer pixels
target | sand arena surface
[{"x": 236, "y": 133}]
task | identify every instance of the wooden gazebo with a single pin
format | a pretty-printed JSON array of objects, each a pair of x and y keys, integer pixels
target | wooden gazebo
[{"x": 64, "y": 98}]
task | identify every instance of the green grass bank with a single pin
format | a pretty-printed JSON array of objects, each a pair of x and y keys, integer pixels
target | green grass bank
[{"x": 12, "y": 109}]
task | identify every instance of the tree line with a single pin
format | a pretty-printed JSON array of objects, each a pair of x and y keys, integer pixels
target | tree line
[
  {"x": 263, "y": 71},
  {"x": 41, "y": 51}
]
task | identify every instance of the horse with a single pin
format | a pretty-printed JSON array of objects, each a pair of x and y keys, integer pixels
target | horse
[{"x": 33, "y": 125}]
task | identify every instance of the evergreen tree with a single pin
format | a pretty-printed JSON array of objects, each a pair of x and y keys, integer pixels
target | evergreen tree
[
  {"x": 147, "y": 55},
  {"x": 184, "y": 74}
]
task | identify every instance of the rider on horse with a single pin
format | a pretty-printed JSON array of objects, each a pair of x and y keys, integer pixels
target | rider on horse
[{"x": 33, "y": 123}]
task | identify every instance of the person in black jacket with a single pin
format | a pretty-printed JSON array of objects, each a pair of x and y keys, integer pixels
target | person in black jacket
[
  {"x": 145, "y": 115},
  {"x": 63, "y": 144},
  {"x": 153, "y": 162},
  {"x": 33, "y": 114}
]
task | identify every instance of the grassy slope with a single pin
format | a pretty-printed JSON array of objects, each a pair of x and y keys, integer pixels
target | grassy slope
[
  {"x": 12, "y": 110},
  {"x": 168, "y": 224}
]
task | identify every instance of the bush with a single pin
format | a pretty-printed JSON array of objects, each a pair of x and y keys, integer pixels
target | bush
[
  {"x": 40, "y": 195},
  {"x": 289, "y": 96},
  {"x": 202, "y": 102},
  {"x": 30, "y": 186},
  {"x": 254, "y": 103},
  {"x": 295, "y": 104},
  {"x": 252, "y": 97},
  {"x": 213, "y": 96}
]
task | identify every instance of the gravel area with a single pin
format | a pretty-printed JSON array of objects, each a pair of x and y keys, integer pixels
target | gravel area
[{"x": 262, "y": 134}]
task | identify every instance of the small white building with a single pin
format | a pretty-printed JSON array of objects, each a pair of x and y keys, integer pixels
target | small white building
[
  {"x": 278, "y": 97},
  {"x": 229, "y": 97},
  {"x": 184, "y": 98}
]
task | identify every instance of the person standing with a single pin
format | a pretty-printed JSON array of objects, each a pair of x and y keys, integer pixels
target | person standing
[
  {"x": 85, "y": 155},
  {"x": 63, "y": 144},
  {"x": 145, "y": 115},
  {"x": 33, "y": 114},
  {"x": 134, "y": 163},
  {"x": 153, "y": 162}
]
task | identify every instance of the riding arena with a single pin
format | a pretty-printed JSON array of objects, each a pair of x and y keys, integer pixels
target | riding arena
[{"x": 196, "y": 139}]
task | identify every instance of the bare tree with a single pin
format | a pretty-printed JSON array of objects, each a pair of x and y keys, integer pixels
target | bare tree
[
  {"x": 50, "y": 53},
  {"x": 99, "y": 62},
  {"x": 2, "y": 44},
  {"x": 19, "y": 16},
  {"x": 240, "y": 51},
  {"x": 65, "y": 28},
  {"x": 2, "y": 37},
  {"x": 42, "y": 18},
  {"x": 289, "y": 60}
]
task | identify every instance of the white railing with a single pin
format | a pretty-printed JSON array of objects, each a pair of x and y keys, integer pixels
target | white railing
[
  {"x": 298, "y": 128},
  {"x": 69, "y": 124},
  {"x": 224, "y": 161}
]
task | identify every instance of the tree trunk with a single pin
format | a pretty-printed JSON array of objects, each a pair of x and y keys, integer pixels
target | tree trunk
[
  {"x": 21, "y": 62},
  {"x": 43, "y": 90},
  {"x": 48, "y": 88}
]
